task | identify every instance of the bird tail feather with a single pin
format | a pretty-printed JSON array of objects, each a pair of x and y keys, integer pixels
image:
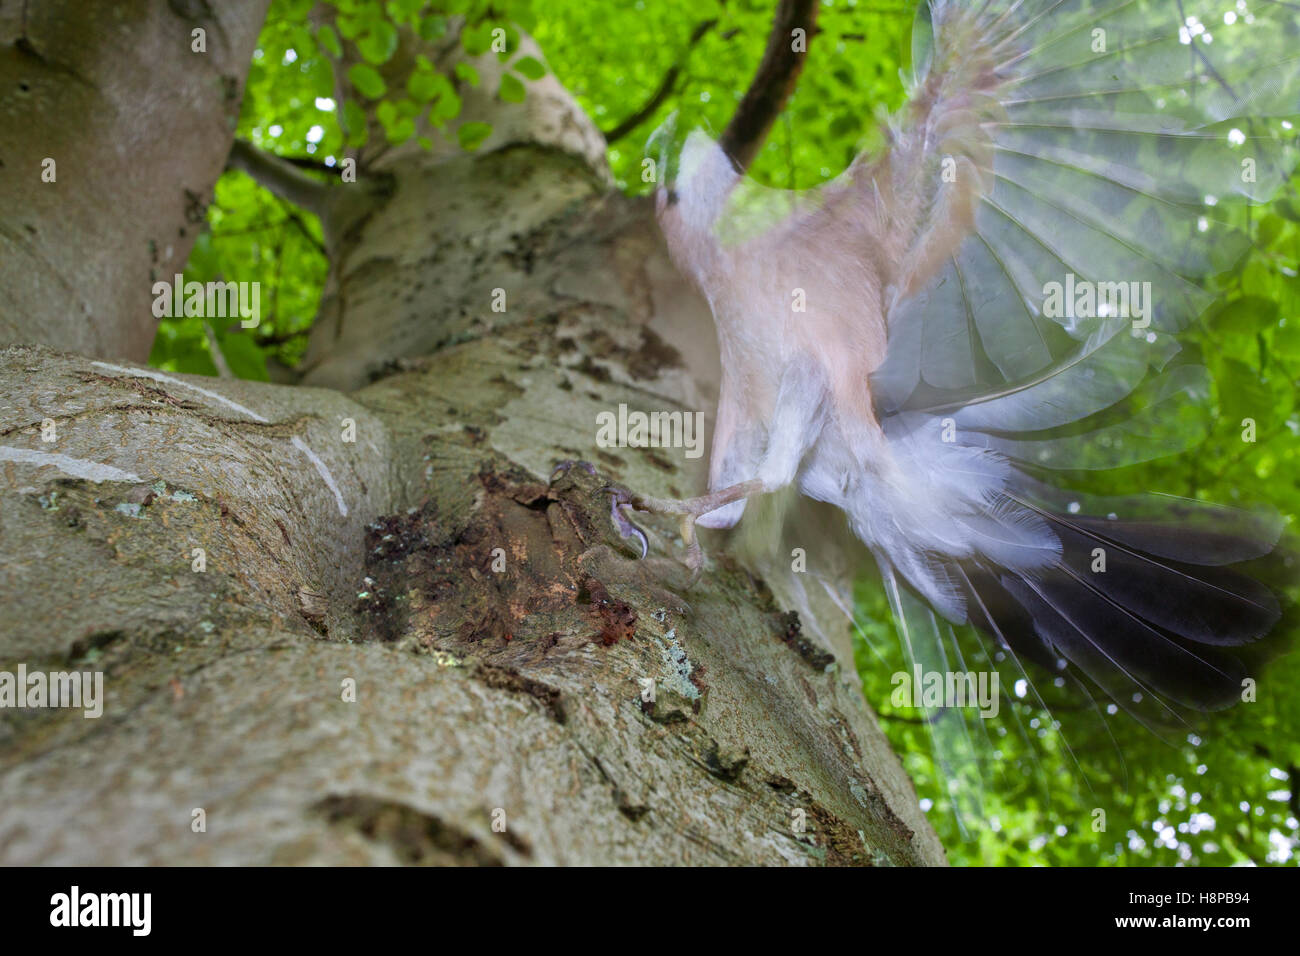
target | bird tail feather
[{"x": 1162, "y": 614}]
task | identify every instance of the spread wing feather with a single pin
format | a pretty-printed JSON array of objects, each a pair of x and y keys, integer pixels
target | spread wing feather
[{"x": 1066, "y": 141}]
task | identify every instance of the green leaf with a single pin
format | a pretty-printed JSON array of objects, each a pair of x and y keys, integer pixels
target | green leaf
[
  {"x": 403, "y": 11},
  {"x": 1286, "y": 340},
  {"x": 355, "y": 119},
  {"x": 181, "y": 346},
  {"x": 350, "y": 27},
  {"x": 424, "y": 85},
  {"x": 445, "y": 107},
  {"x": 477, "y": 39},
  {"x": 529, "y": 67},
  {"x": 1257, "y": 278},
  {"x": 1269, "y": 228},
  {"x": 380, "y": 43},
  {"x": 511, "y": 40},
  {"x": 432, "y": 28},
  {"x": 204, "y": 259},
  {"x": 1241, "y": 394},
  {"x": 397, "y": 120},
  {"x": 367, "y": 81},
  {"x": 1245, "y": 316},
  {"x": 472, "y": 135},
  {"x": 466, "y": 73},
  {"x": 330, "y": 40},
  {"x": 512, "y": 90},
  {"x": 1288, "y": 207},
  {"x": 304, "y": 44}
]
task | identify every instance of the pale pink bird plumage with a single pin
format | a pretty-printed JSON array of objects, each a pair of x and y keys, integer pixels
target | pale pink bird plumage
[{"x": 927, "y": 386}]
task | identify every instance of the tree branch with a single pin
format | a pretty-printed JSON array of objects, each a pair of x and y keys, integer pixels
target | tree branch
[
  {"x": 291, "y": 216},
  {"x": 773, "y": 83},
  {"x": 214, "y": 348},
  {"x": 315, "y": 165},
  {"x": 665, "y": 89},
  {"x": 280, "y": 338},
  {"x": 278, "y": 175}
]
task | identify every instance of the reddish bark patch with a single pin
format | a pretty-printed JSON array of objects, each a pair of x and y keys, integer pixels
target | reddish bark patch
[
  {"x": 503, "y": 577},
  {"x": 618, "y": 620}
]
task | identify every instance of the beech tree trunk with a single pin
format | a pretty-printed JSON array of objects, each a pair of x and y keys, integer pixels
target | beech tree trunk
[
  {"x": 117, "y": 118},
  {"x": 365, "y": 619}
]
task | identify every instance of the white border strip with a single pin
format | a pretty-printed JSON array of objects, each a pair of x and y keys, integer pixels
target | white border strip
[
  {"x": 90, "y": 470},
  {"x": 324, "y": 473},
  {"x": 160, "y": 377}
]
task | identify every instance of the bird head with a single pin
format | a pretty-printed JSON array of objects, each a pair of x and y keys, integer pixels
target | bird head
[{"x": 694, "y": 175}]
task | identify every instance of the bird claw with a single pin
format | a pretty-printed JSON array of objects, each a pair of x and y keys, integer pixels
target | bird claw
[
  {"x": 619, "y": 499},
  {"x": 686, "y": 510}
]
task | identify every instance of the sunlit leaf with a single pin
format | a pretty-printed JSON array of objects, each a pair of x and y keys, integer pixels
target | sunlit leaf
[
  {"x": 367, "y": 80},
  {"x": 512, "y": 90},
  {"x": 471, "y": 135},
  {"x": 529, "y": 67}
]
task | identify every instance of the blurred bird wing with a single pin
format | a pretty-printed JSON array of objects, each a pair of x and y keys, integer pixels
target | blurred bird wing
[{"x": 1057, "y": 160}]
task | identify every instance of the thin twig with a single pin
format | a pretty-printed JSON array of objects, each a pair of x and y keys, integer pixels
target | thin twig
[
  {"x": 773, "y": 83},
  {"x": 665, "y": 89}
]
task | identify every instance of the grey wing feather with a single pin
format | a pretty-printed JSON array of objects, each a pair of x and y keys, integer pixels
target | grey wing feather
[{"x": 1105, "y": 141}]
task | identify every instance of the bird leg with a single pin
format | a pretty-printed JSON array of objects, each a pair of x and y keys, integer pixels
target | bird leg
[{"x": 686, "y": 509}]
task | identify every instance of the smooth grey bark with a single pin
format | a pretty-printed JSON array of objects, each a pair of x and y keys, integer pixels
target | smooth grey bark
[
  {"x": 137, "y": 125},
  {"x": 404, "y": 532}
]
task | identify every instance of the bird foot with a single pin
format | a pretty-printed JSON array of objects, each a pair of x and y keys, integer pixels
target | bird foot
[
  {"x": 626, "y": 529},
  {"x": 687, "y": 510}
]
